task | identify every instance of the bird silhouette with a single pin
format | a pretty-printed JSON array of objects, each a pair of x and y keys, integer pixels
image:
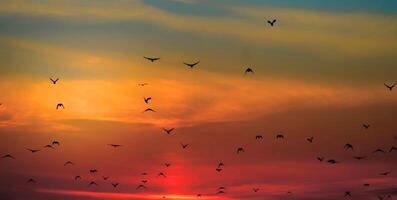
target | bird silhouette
[
  {"x": 60, "y": 105},
  {"x": 161, "y": 174},
  {"x": 255, "y": 189},
  {"x": 54, "y": 81},
  {"x": 115, "y": 145},
  {"x": 8, "y": 156},
  {"x": 167, "y": 164},
  {"x": 249, "y": 70},
  {"x": 77, "y": 178},
  {"x": 393, "y": 148},
  {"x": 221, "y": 188},
  {"x": 359, "y": 157},
  {"x": 92, "y": 183},
  {"x": 49, "y": 146},
  {"x": 168, "y": 131},
  {"x": 199, "y": 195},
  {"x": 332, "y": 161},
  {"x": 240, "y": 150},
  {"x": 379, "y": 151},
  {"x": 348, "y": 146},
  {"x": 258, "y": 137},
  {"x": 184, "y": 146},
  {"x": 279, "y": 136},
  {"x": 151, "y": 59},
  {"x": 390, "y": 87},
  {"x": 191, "y": 65},
  {"x": 147, "y": 99},
  {"x": 31, "y": 180},
  {"x": 144, "y": 181},
  {"x": 366, "y": 126},
  {"x": 310, "y": 139},
  {"x": 33, "y": 150},
  {"x": 144, "y": 174},
  {"x": 115, "y": 184},
  {"x": 271, "y": 22},
  {"x": 68, "y": 163},
  {"x": 321, "y": 159},
  {"x": 93, "y": 171},
  {"x": 141, "y": 186},
  {"x": 221, "y": 192},
  {"x": 105, "y": 178},
  {"x": 348, "y": 194},
  {"x": 142, "y": 84},
  {"x": 149, "y": 110},
  {"x": 221, "y": 165},
  {"x": 366, "y": 184},
  {"x": 218, "y": 169},
  {"x": 385, "y": 173},
  {"x": 56, "y": 143}
]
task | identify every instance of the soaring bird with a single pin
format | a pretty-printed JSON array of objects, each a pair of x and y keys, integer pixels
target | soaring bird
[
  {"x": 142, "y": 84},
  {"x": 54, "y": 81},
  {"x": 168, "y": 131},
  {"x": 271, "y": 22},
  {"x": 77, "y": 178},
  {"x": 140, "y": 186},
  {"x": 359, "y": 157},
  {"x": 393, "y": 148},
  {"x": 147, "y": 99},
  {"x": 366, "y": 126},
  {"x": 115, "y": 145},
  {"x": 221, "y": 165},
  {"x": 390, "y": 87},
  {"x": 149, "y": 110},
  {"x": 221, "y": 192},
  {"x": 68, "y": 163},
  {"x": 279, "y": 136},
  {"x": 115, "y": 184},
  {"x": 385, "y": 173},
  {"x": 258, "y": 137},
  {"x": 240, "y": 150},
  {"x": 162, "y": 174},
  {"x": 321, "y": 159},
  {"x": 255, "y": 189},
  {"x": 191, "y": 65},
  {"x": 199, "y": 195},
  {"x": 310, "y": 139},
  {"x": 151, "y": 59},
  {"x": 221, "y": 188},
  {"x": 366, "y": 184},
  {"x": 60, "y": 105},
  {"x": 249, "y": 70},
  {"x": 8, "y": 156},
  {"x": 184, "y": 146},
  {"x": 144, "y": 181},
  {"x": 348, "y": 146},
  {"x": 105, "y": 178},
  {"x": 93, "y": 171},
  {"x": 56, "y": 143},
  {"x": 332, "y": 161},
  {"x": 49, "y": 146},
  {"x": 144, "y": 174},
  {"x": 218, "y": 169},
  {"x": 93, "y": 183},
  {"x": 31, "y": 180},
  {"x": 33, "y": 150},
  {"x": 167, "y": 164},
  {"x": 379, "y": 151},
  {"x": 348, "y": 194}
]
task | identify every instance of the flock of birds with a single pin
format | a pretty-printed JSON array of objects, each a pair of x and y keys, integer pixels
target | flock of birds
[{"x": 221, "y": 165}]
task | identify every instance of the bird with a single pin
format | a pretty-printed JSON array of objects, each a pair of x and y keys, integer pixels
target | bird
[
  {"x": 33, "y": 150},
  {"x": 115, "y": 145},
  {"x": 348, "y": 194},
  {"x": 144, "y": 181},
  {"x": 191, "y": 65},
  {"x": 56, "y": 143},
  {"x": 384, "y": 173},
  {"x": 379, "y": 151},
  {"x": 255, "y": 189},
  {"x": 199, "y": 195},
  {"x": 321, "y": 159},
  {"x": 249, "y": 70},
  {"x": 105, "y": 178},
  {"x": 221, "y": 192},
  {"x": 366, "y": 184},
  {"x": 93, "y": 171},
  {"x": 221, "y": 188},
  {"x": 221, "y": 165},
  {"x": 144, "y": 174},
  {"x": 168, "y": 131},
  {"x": 359, "y": 157},
  {"x": 149, "y": 110},
  {"x": 140, "y": 186},
  {"x": 161, "y": 174},
  {"x": 366, "y": 126},
  {"x": 54, "y": 81},
  {"x": 142, "y": 84},
  {"x": 271, "y": 22},
  {"x": 8, "y": 156},
  {"x": 68, "y": 163},
  {"x": 31, "y": 180},
  {"x": 115, "y": 184},
  {"x": 310, "y": 139},
  {"x": 77, "y": 178},
  {"x": 332, "y": 161},
  {"x": 390, "y": 87},
  {"x": 258, "y": 137},
  {"x": 240, "y": 149},
  {"x": 167, "y": 164},
  {"x": 279, "y": 136},
  {"x": 184, "y": 146},
  {"x": 60, "y": 105},
  {"x": 49, "y": 146},
  {"x": 92, "y": 183},
  {"x": 393, "y": 148},
  {"x": 348, "y": 146},
  {"x": 146, "y": 100},
  {"x": 218, "y": 169},
  {"x": 151, "y": 59}
]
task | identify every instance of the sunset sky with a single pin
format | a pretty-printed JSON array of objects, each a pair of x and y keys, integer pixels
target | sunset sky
[{"x": 318, "y": 72}]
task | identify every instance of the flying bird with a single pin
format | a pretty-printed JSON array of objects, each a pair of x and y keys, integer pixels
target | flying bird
[
  {"x": 258, "y": 137},
  {"x": 168, "y": 131},
  {"x": 167, "y": 164},
  {"x": 8, "y": 156},
  {"x": 149, "y": 110},
  {"x": 321, "y": 159},
  {"x": 385, "y": 173},
  {"x": 249, "y": 70},
  {"x": 184, "y": 146},
  {"x": 310, "y": 139},
  {"x": 379, "y": 151},
  {"x": 115, "y": 145},
  {"x": 191, "y": 65},
  {"x": 221, "y": 188},
  {"x": 105, "y": 178},
  {"x": 93, "y": 171},
  {"x": 77, "y": 178},
  {"x": 33, "y": 150},
  {"x": 54, "y": 81},
  {"x": 151, "y": 59},
  {"x": 390, "y": 87},
  {"x": 255, "y": 189},
  {"x": 115, "y": 184},
  {"x": 348, "y": 194},
  {"x": 144, "y": 181},
  {"x": 240, "y": 150},
  {"x": 218, "y": 169},
  {"x": 161, "y": 174},
  {"x": 348, "y": 146},
  {"x": 393, "y": 148},
  {"x": 199, "y": 195},
  {"x": 271, "y": 22},
  {"x": 68, "y": 163},
  {"x": 366, "y": 126},
  {"x": 93, "y": 183},
  {"x": 366, "y": 184},
  {"x": 56, "y": 143},
  {"x": 140, "y": 186},
  {"x": 146, "y": 100},
  {"x": 49, "y": 146},
  {"x": 279, "y": 136},
  {"x": 60, "y": 105},
  {"x": 142, "y": 84},
  {"x": 221, "y": 165},
  {"x": 31, "y": 180},
  {"x": 359, "y": 157},
  {"x": 144, "y": 174},
  {"x": 332, "y": 161}
]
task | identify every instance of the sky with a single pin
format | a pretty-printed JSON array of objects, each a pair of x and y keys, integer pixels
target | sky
[{"x": 319, "y": 72}]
